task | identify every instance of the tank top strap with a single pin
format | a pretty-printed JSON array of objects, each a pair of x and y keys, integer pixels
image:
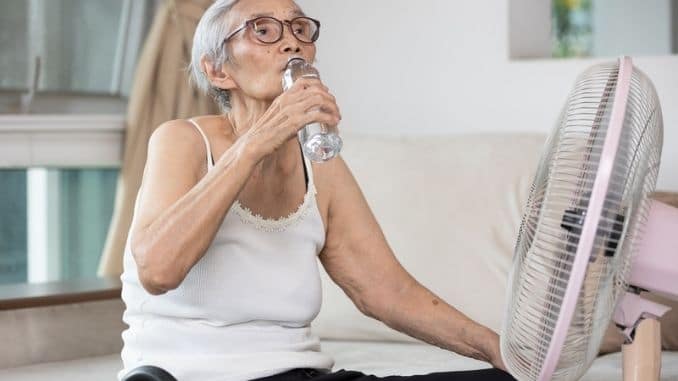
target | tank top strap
[
  {"x": 210, "y": 159},
  {"x": 309, "y": 170}
]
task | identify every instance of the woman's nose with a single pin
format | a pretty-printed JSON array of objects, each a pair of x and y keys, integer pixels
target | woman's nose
[
  {"x": 289, "y": 43},
  {"x": 293, "y": 48}
]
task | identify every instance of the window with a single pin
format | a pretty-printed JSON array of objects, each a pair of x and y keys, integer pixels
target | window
[
  {"x": 592, "y": 28},
  {"x": 63, "y": 96},
  {"x": 54, "y": 222},
  {"x": 13, "y": 227},
  {"x": 70, "y": 51}
]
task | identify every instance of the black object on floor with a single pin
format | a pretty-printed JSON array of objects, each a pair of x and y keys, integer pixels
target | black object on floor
[{"x": 148, "y": 373}]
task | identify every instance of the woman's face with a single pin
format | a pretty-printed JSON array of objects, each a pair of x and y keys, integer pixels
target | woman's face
[{"x": 256, "y": 67}]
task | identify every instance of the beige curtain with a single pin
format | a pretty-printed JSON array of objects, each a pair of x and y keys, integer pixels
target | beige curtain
[{"x": 160, "y": 93}]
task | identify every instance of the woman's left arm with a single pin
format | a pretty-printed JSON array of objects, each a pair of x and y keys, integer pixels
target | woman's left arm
[{"x": 357, "y": 257}]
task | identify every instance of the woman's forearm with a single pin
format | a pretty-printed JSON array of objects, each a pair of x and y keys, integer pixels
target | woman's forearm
[
  {"x": 170, "y": 246},
  {"x": 419, "y": 313}
]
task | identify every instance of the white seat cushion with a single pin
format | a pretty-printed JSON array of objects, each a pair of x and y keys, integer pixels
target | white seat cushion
[
  {"x": 381, "y": 359},
  {"x": 84, "y": 369},
  {"x": 450, "y": 207}
]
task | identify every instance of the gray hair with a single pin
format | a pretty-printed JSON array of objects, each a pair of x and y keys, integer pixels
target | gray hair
[{"x": 208, "y": 42}]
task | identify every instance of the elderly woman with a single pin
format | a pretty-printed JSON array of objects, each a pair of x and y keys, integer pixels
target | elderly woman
[{"x": 221, "y": 279}]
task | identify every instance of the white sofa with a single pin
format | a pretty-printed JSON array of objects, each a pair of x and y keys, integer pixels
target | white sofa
[{"x": 450, "y": 207}]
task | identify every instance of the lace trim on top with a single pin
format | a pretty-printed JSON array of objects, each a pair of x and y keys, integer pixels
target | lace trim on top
[
  {"x": 256, "y": 220},
  {"x": 276, "y": 224}
]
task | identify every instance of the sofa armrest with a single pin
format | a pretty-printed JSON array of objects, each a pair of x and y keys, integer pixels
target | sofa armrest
[
  {"x": 670, "y": 198},
  {"x": 613, "y": 339}
]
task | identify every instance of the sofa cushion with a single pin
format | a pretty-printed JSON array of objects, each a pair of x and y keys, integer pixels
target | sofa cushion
[
  {"x": 381, "y": 359},
  {"x": 450, "y": 207}
]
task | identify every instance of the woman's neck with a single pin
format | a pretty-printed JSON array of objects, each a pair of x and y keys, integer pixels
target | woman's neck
[
  {"x": 243, "y": 115},
  {"x": 245, "y": 112}
]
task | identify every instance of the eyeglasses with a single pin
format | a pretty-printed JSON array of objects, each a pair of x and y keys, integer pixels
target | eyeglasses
[{"x": 269, "y": 30}]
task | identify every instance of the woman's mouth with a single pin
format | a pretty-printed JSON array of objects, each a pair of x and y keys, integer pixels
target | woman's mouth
[{"x": 289, "y": 59}]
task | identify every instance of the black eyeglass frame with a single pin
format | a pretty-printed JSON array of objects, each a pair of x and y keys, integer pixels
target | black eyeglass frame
[{"x": 282, "y": 23}]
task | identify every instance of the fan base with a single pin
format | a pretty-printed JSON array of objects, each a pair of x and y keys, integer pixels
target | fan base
[{"x": 642, "y": 357}]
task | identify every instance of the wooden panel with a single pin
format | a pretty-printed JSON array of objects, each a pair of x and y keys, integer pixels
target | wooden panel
[{"x": 28, "y": 295}]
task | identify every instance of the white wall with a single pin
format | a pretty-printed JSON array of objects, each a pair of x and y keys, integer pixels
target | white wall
[{"x": 442, "y": 67}]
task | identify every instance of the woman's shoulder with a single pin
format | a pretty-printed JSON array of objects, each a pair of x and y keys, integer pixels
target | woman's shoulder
[
  {"x": 178, "y": 141},
  {"x": 173, "y": 131},
  {"x": 328, "y": 176},
  {"x": 183, "y": 129},
  {"x": 182, "y": 133},
  {"x": 327, "y": 173}
]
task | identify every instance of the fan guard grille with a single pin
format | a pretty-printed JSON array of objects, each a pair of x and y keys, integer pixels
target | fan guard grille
[{"x": 551, "y": 227}]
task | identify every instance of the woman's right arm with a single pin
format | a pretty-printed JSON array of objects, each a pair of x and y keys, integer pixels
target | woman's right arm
[{"x": 179, "y": 213}]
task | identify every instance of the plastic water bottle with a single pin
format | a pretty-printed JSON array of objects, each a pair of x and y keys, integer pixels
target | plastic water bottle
[{"x": 318, "y": 141}]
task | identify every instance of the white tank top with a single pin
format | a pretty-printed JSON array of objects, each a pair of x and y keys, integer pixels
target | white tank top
[{"x": 245, "y": 308}]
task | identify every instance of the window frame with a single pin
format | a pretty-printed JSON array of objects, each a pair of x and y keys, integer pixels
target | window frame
[{"x": 63, "y": 140}]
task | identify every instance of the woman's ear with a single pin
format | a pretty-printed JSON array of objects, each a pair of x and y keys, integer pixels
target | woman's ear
[{"x": 217, "y": 78}]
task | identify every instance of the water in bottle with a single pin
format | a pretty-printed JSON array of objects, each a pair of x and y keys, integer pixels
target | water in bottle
[{"x": 319, "y": 142}]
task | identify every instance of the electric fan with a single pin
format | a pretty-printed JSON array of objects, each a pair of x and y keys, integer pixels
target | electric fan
[{"x": 590, "y": 238}]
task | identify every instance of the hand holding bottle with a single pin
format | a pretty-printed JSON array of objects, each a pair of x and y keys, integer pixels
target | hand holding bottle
[
  {"x": 319, "y": 141},
  {"x": 306, "y": 102}
]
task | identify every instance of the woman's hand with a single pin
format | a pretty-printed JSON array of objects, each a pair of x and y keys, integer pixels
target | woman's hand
[
  {"x": 307, "y": 101},
  {"x": 488, "y": 344},
  {"x": 493, "y": 353}
]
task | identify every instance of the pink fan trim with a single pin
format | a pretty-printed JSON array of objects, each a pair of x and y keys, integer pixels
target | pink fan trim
[{"x": 588, "y": 235}]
